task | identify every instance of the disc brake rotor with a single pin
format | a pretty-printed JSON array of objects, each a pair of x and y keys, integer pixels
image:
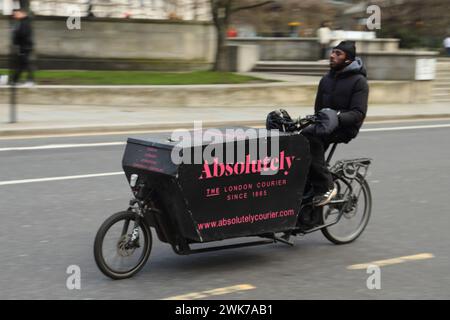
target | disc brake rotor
[{"x": 124, "y": 247}]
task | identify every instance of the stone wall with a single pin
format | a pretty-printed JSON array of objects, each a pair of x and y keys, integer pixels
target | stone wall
[
  {"x": 245, "y": 95},
  {"x": 132, "y": 41},
  {"x": 307, "y": 49},
  {"x": 400, "y": 65}
]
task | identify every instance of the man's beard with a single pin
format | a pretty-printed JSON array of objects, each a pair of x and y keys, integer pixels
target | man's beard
[{"x": 339, "y": 67}]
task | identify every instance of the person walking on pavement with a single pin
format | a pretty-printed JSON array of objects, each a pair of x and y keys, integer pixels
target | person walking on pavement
[
  {"x": 342, "y": 97},
  {"x": 324, "y": 35},
  {"x": 22, "y": 40},
  {"x": 447, "y": 45}
]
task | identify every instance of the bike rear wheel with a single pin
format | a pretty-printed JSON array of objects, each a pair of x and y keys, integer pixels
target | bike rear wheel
[
  {"x": 119, "y": 254},
  {"x": 355, "y": 219}
]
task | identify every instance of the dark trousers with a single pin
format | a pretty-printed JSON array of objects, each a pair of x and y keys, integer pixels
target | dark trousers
[
  {"x": 319, "y": 177},
  {"x": 324, "y": 52},
  {"x": 21, "y": 63}
]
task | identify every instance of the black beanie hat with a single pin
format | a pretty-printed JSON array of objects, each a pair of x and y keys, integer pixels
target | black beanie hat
[{"x": 348, "y": 47}]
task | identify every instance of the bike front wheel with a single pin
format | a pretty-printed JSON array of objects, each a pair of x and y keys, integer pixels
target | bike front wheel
[
  {"x": 356, "y": 213},
  {"x": 122, "y": 247}
]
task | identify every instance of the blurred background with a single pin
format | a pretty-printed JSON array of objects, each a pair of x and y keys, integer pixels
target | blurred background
[
  {"x": 182, "y": 34},
  {"x": 404, "y": 45}
]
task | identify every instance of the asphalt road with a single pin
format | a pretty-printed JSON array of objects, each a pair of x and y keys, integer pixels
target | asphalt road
[{"x": 46, "y": 226}]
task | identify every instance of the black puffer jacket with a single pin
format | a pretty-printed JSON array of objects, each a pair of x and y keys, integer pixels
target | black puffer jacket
[
  {"x": 23, "y": 36},
  {"x": 346, "y": 91}
]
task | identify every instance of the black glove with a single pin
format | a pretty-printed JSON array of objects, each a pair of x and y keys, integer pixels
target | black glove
[{"x": 326, "y": 122}]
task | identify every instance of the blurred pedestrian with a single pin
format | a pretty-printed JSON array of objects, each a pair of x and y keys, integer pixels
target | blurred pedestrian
[
  {"x": 294, "y": 29},
  {"x": 22, "y": 41},
  {"x": 324, "y": 35},
  {"x": 447, "y": 45},
  {"x": 90, "y": 10},
  {"x": 232, "y": 32}
]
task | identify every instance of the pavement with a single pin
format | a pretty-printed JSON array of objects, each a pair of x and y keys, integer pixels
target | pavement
[
  {"x": 54, "y": 120},
  {"x": 36, "y": 119}
]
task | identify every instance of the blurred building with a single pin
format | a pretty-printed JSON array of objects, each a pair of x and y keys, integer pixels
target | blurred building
[
  {"x": 198, "y": 10},
  {"x": 287, "y": 18}
]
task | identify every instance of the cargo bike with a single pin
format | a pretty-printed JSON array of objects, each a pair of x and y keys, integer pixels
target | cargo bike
[{"x": 192, "y": 203}]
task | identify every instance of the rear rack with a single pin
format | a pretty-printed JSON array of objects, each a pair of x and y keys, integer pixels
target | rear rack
[{"x": 350, "y": 168}]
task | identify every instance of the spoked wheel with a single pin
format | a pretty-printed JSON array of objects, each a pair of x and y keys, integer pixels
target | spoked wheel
[
  {"x": 121, "y": 247},
  {"x": 356, "y": 213}
]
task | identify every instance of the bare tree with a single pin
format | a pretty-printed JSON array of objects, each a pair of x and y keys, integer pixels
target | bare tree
[
  {"x": 222, "y": 11},
  {"x": 417, "y": 23}
]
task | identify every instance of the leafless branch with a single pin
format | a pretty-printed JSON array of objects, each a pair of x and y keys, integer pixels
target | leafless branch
[{"x": 255, "y": 5}]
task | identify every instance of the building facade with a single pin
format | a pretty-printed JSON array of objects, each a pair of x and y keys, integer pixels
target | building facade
[{"x": 198, "y": 10}]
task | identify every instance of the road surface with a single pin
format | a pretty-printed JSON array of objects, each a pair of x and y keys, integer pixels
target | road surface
[{"x": 47, "y": 226}]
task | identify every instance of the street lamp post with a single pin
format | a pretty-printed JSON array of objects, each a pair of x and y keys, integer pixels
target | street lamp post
[
  {"x": 8, "y": 6},
  {"x": 13, "y": 89}
]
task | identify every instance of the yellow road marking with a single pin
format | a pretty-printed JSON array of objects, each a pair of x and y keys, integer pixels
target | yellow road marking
[
  {"x": 213, "y": 292},
  {"x": 387, "y": 262}
]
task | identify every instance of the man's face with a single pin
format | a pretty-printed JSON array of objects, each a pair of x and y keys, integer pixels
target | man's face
[{"x": 337, "y": 59}]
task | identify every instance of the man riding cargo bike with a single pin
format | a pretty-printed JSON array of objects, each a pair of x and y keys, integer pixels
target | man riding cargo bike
[
  {"x": 344, "y": 93},
  {"x": 191, "y": 203}
]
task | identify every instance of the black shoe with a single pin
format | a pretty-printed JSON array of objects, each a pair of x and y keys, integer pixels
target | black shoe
[{"x": 325, "y": 198}]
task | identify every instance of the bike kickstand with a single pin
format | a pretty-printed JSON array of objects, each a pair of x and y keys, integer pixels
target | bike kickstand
[{"x": 284, "y": 239}]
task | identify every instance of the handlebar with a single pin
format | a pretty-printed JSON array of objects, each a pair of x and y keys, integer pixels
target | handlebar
[
  {"x": 281, "y": 120},
  {"x": 302, "y": 123}
]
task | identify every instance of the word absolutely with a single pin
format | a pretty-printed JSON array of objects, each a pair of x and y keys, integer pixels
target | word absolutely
[{"x": 268, "y": 165}]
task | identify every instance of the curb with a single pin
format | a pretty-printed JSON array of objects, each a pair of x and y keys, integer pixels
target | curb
[
  {"x": 104, "y": 129},
  {"x": 122, "y": 128}
]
